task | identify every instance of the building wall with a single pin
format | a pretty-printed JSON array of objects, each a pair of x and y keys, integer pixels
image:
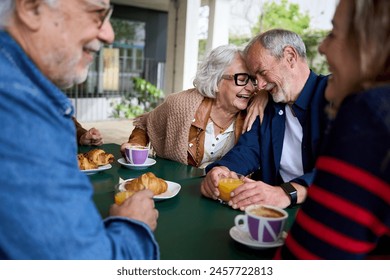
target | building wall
[{"x": 156, "y": 28}]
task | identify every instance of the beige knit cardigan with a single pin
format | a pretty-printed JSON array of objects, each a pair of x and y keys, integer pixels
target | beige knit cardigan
[{"x": 168, "y": 125}]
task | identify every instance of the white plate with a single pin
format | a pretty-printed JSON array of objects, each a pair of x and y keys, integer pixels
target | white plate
[
  {"x": 94, "y": 171},
  {"x": 149, "y": 162},
  {"x": 246, "y": 239},
  {"x": 173, "y": 190}
]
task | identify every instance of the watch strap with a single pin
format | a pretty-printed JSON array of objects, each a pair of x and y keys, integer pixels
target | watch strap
[{"x": 289, "y": 189}]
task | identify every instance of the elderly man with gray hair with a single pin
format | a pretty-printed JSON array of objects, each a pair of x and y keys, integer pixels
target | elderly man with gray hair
[
  {"x": 280, "y": 151},
  {"x": 46, "y": 208}
]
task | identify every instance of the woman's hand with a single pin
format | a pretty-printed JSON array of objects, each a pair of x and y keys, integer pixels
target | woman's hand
[
  {"x": 91, "y": 137},
  {"x": 123, "y": 147}
]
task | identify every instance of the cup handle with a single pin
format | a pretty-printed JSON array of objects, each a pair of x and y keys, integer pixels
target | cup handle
[
  {"x": 241, "y": 222},
  {"x": 127, "y": 156}
]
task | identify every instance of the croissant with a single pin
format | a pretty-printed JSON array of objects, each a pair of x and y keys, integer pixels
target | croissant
[
  {"x": 99, "y": 157},
  {"x": 85, "y": 163},
  {"x": 147, "y": 181}
]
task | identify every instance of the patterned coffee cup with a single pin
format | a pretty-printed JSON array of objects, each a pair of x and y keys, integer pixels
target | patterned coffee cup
[
  {"x": 264, "y": 223},
  {"x": 136, "y": 154}
]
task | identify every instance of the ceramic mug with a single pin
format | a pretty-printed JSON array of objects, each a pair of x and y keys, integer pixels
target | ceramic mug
[
  {"x": 136, "y": 154},
  {"x": 264, "y": 223}
]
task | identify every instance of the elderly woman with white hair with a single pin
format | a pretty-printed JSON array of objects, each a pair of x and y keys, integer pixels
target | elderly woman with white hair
[{"x": 201, "y": 124}]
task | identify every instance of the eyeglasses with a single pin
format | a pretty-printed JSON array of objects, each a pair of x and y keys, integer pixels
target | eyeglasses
[
  {"x": 105, "y": 16},
  {"x": 241, "y": 79}
]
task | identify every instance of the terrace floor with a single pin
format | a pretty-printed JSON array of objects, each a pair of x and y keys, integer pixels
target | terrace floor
[{"x": 113, "y": 131}]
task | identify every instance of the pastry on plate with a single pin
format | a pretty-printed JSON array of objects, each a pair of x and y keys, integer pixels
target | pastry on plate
[
  {"x": 93, "y": 159},
  {"x": 99, "y": 156},
  {"x": 85, "y": 163},
  {"x": 147, "y": 181}
]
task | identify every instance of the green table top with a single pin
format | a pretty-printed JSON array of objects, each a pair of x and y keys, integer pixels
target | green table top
[{"x": 190, "y": 226}]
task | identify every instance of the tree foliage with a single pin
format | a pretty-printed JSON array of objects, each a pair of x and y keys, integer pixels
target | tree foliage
[
  {"x": 288, "y": 16},
  {"x": 312, "y": 39}
]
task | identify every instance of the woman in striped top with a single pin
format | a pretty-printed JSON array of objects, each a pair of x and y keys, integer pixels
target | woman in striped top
[{"x": 347, "y": 212}]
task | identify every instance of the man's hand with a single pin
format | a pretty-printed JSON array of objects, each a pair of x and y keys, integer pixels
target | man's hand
[
  {"x": 209, "y": 186},
  {"x": 140, "y": 206},
  {"x": 258, "y": 192}
]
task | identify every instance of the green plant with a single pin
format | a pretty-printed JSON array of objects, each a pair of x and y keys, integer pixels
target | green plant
[
  {"x": 144, "y": 98},
  {"x": 148, "y": 95},
  {"x": 287, "y": 15}
]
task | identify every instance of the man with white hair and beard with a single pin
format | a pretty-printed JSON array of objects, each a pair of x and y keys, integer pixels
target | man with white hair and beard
[
  {"x": 279, "y": 151},
  {"x": 46, "y": 206}
]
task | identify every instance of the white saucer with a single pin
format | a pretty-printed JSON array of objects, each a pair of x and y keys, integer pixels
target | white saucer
[
  {"x": 172, "y": 191},
  {"x": 244, "y": 238},
  {"x": 94, "y": 171},
  {"x": 149, "y": 162}
]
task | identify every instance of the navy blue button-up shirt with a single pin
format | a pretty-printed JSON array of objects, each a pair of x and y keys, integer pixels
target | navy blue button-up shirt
[{"x": 260, "y": 149}]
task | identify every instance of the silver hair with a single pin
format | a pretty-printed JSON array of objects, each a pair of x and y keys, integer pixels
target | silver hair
[
  {"x": 7, "y": 8},
  {"x": 211, "y": 69},
  {"x": 276, "y": 40}
]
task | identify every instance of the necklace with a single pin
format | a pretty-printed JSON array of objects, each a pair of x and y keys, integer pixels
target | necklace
[{"x": 221, "y": 128}]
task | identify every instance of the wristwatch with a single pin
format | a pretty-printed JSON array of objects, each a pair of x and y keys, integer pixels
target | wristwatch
[{"x": 291, "y": 192}]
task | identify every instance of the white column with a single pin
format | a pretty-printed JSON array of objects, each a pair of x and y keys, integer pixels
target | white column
[
  {"x": 219, "y": 18},
  {"x": 182, "y": 48}
]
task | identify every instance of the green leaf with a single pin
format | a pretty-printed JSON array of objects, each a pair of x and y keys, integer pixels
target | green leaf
[{"x": 147, "y": 95}]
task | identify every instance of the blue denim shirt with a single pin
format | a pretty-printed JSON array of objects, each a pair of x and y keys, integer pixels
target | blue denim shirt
[
  {"x": 46, "y": 206},
  {"x": 260, "y": 149}
]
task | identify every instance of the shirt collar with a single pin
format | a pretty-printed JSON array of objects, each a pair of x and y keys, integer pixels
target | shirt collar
[
  {"x": 303, "y": 101},
  {"x": 19, "y": 58}
]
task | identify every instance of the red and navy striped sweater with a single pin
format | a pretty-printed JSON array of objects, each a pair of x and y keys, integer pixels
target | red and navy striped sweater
[{"x": 347, "y": 212}]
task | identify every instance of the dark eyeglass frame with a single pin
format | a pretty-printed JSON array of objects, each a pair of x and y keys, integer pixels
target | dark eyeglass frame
[
  {"x": 238, "y": 81},
  {"x": 106, "y": 15}
]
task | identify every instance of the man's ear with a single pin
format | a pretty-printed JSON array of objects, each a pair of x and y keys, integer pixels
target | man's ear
[
  {"x": 290, "y": 55},
  {"x": 29, "y": 12}
]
